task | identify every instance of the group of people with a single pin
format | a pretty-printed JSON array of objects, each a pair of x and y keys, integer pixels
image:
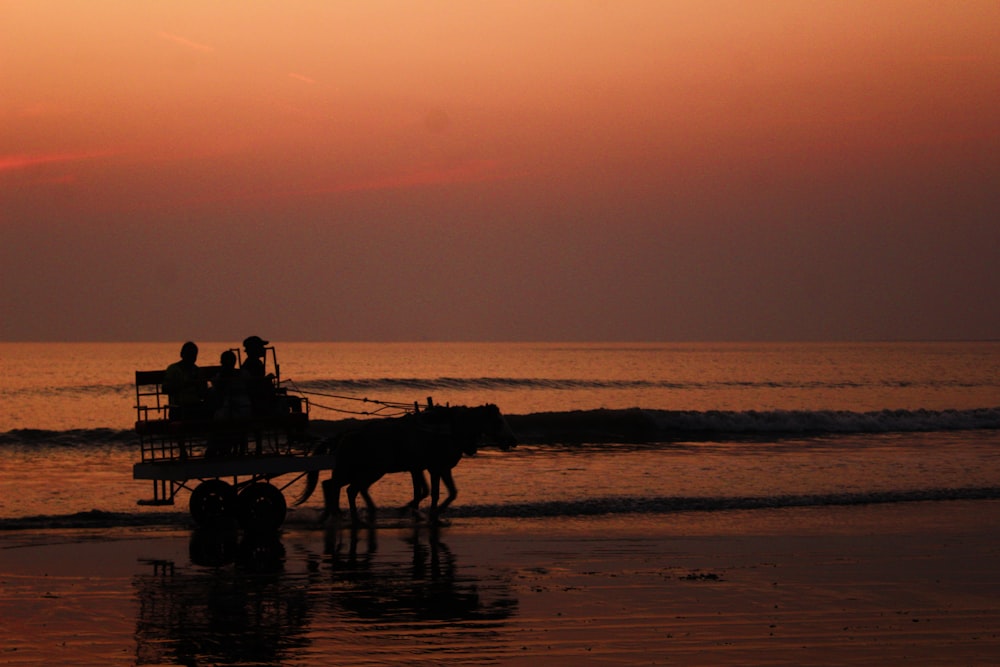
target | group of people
[{"x": 231, "y": 392}]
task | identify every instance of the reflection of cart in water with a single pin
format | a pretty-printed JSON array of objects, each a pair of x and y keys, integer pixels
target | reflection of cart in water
[
  {"x": 229, "y": 464},
  {"x": 248, "y": 597},
  {"x": 247, "y": 613}
]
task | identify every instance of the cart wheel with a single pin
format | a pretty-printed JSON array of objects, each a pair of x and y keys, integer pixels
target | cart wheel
[
  {"x": 213, "y": 503},
  {"x": 262, "y": 507}
]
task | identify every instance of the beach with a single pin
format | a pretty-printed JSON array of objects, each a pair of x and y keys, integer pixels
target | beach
[
  {"x": 864, "y": 584},
  {"x": 666, "y": 504}
]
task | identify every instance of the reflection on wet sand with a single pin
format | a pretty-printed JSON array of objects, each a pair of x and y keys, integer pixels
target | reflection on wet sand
[
  {"x": 231, "y": 605},
  {"x": 427, "y": 588},
  {"x": 243, "y": 598}
]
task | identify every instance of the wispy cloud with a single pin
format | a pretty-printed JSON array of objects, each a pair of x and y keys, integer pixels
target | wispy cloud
[
  {"x": 301, "y": 77},
  {"x": 23, "y": 161},
  {"x": 185, "y": 42},
  {"x": 472, "y": 171}
]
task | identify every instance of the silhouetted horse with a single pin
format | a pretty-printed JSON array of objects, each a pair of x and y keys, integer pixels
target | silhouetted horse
[{"x": 433, "y": 440}]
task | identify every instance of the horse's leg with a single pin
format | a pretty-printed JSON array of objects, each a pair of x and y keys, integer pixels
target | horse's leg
[
  {"x": 449, "y": 483},
  {"x": 369, "y": 503},
  {"x": 420, "y": 491},
  {"x": 331, "y": 499},
  {"x": 435, "y": 494},
  {"x": 352, "y": 501},
  {"x": 420, "y": 488},
  {"x": 352, "y": 496}
]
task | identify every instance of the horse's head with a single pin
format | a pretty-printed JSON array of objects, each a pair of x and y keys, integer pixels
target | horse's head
[
  {"x": 495, "y": 429},
  {"x": 469, "y": 428}
]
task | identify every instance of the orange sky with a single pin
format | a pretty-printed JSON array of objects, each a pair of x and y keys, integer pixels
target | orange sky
[{"x": 499, "y": 170}]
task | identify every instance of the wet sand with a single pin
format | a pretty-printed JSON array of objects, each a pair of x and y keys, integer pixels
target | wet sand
[{"x": 873, "y": 584}]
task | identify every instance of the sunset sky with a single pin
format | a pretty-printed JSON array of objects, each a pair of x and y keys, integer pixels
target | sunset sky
[{"x": 574, "y": 170}]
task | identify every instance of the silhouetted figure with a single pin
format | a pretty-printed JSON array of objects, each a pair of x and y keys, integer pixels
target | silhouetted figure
[
  {"x": 259, "y": 384},
  {"x": 185, "y": 387},
  {"x": 229, "y": 387},
  {"x": 230, "y": 402}
]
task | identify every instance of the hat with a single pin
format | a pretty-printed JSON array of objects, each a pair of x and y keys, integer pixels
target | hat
[{"x": 254, "y": 342}]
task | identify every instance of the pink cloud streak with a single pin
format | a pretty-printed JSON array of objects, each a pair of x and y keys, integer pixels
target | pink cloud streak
[
  {"x": 184, "y": 41},
  {"x": 13, "y": 162}
]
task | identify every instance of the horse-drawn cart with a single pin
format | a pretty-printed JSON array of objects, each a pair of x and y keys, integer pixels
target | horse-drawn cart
[{"x": 229, "y": 464}]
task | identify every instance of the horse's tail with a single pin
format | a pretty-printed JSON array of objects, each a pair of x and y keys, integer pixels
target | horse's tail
[
  {"x": 312, "y": 481},
  {"x": 312, "y": 477}
]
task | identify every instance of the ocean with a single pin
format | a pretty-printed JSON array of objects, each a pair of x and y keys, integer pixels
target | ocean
[{"x": 604, "y": 428}]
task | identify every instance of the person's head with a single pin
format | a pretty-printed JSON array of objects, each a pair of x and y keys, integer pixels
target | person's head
[
  {"x": 189, "y": 352},
  {"x": 254, "y": 346},
  {"x": 228, "y": 359}
]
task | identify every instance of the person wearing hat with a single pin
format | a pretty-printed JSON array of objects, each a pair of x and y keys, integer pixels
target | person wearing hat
[{"x": 260, "y": 386}]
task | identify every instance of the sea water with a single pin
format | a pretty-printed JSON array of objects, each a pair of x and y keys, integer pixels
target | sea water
[{"x": 604, "y": 428}]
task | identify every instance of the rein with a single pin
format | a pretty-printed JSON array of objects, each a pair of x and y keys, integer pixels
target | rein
[{"x": 384, "y": 409}]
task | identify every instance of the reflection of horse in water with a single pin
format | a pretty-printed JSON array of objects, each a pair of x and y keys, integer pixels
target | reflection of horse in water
[
  {"x": 419, "y": 585},
  {"x": 433, "y": 440},
  {"x": 243, "y": 598}
]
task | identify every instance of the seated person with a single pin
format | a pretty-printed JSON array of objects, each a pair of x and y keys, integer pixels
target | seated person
[
  {"x": 230, "y": 402},
  {"x": 186, "y": 389},
  {"x": 229, "y": 389},
  {"x": 259, "y": 385}
]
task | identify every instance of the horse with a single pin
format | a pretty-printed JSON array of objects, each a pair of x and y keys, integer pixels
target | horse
[{"x": 434, "y": 440}]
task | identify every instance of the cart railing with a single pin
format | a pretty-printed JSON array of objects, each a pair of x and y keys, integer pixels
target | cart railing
[{"x": 163, "y": 438}]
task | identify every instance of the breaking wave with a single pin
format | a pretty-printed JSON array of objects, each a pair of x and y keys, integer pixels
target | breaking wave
[
  {"x": 634, "y": 425},
  {"x": 639, "y": 425},
  {"x": 77, "y": 437}
]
